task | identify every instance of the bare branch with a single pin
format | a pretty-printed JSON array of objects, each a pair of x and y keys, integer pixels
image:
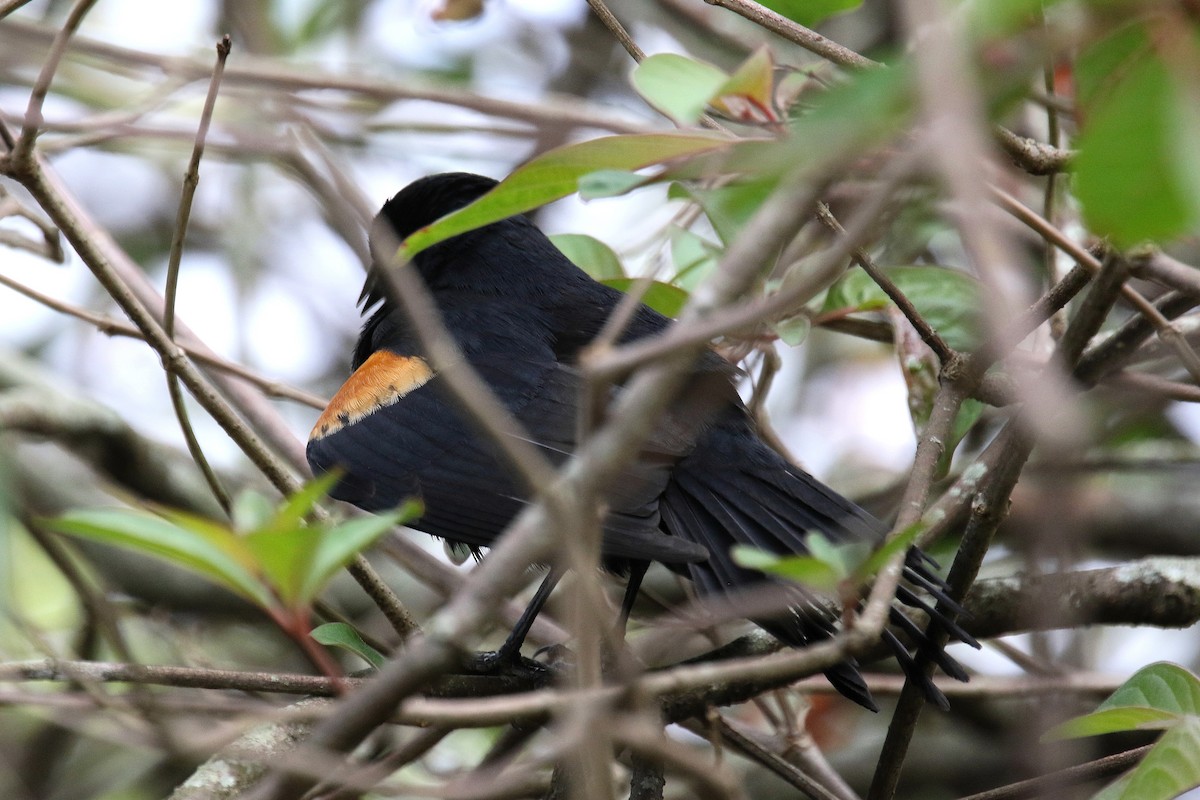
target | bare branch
[
  {"x": 22, "y": 151},
  {"x": 549, "y": 111},
  {"x": 190, "y": 179}
]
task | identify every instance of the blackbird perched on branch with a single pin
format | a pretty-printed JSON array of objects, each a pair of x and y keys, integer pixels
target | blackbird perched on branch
[{"x": 521, "y": 313}]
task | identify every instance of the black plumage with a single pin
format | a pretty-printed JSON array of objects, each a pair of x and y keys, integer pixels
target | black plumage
[{"x": 521, "y": 313}]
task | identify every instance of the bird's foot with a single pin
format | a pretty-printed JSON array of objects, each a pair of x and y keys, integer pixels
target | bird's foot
[
  {"x": 489, "y": 662},
  {"x": 505, "y": 662},
  {"x": 556, "y": 657}
]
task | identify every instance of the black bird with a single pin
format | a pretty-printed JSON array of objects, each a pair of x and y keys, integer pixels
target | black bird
[{"x": 521, "y": 313}]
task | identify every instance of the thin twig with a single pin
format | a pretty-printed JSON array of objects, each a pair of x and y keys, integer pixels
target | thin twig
[
  {"x": 1116, "y": 350},
  {"x": 987, "y": 510},
  {"x": 610, "y": 21},
  {"x": 1050, "y": 193},
  {"x": 955, "y": 132},
  {"x": 1093, "y": 310},
  {"x": 1153, "y": 384},
  {"x": 707, "y": 780},
  {"x": 739, "y": 741},
  {"x": 102, "y": 613},
  {"x": 575, "y": 511},
  {"x": 23, "y": 151},
  {"x": 156, "y": 675},
  {"x": 113, "y": 327},
  {"x": 35, "y": 180},
  {"x": 289, "y": 82},
  {"x": 529, "y": 707},
  {"x": 191, "y": 179},
  {"x": 1055, "y": 783},
  {"x": 376, "y": 588},
  {"x": 796, "y": 33},
  {"x": 247, "y": 401},
  {"x": 375, "y": 772},
  {"x": 1169, "y": 334},
  {"x": 11, "y": 6},
  {"x": 1154, "y": 265},
  {"x": 929, "y": 336}
]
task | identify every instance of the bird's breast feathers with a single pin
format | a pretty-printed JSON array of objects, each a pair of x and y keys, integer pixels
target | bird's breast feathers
[{"x": 382, "y": 380}]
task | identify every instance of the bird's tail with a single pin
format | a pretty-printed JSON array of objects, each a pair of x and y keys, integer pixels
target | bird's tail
[{"x": 723, "y": 495}]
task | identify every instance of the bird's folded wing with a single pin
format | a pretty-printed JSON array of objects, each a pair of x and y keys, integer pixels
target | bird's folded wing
[{"x": 395, "y": 430}]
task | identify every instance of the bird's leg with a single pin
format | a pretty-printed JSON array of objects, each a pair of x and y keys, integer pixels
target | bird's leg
[
  {"x": 637, "y": 571},
  {"x": 510, "y": 652},
  {"x": 616, "y": 653}
]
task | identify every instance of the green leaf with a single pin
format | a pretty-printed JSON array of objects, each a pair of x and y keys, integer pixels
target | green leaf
[
  {"x": 339, "y": 545},
  {"x": 298, "y": 506},
  {"x": 610, "y": 183},
  {"x": 987, "y": 18},
  {"x": 1137, "y": 171},
  {"x": 284, "y": 557},
  {"x": 1156, "y": 694},
  {"x": 748, "y": 95},
  {"x": 1170, "y": 769},
  {"x": 664, "y": 298},
  {"x": 893, "y": 546},
  {"x": 251, "y": 510},
  {"x": 729, "y": 207},
  {"x": 839, "y": 125},
  {"x": 949, "y": 300},
  {"x": 1160, "y": 685},
  {"x": 323, "y": 19},
  {"x": 678, "y": 86},
  {"x": 298, "y": 563},
  {"x": 1117, "y": 789},
  {"x": 824, "y": 567},
  {"x": 555, "y": 174},
  {"x": 968, "y": 414},
  {"x": 214, "y": 552},
  {"x": 1097, "y": 69},
  {"x": 752, "y": 558},
  {"x": 339, "y": 634},
  {"x": 589, "y": 254},
  {"x": 1113, "y": 720},
  {"x": 810, "y": 12},
  {"x": 850, "y": 118},
  {"x": 793, "y": 330},
  {"x": 281, "y": 562},
  {"x": 809, "y": 571},
  {"x": 694, "y": 257},
  {"x": 844, "y": 558}
]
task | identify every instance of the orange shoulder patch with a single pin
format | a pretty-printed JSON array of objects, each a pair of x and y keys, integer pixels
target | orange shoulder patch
[{"x": 382, "y": 380}]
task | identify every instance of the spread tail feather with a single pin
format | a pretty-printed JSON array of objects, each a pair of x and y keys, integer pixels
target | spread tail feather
[{"x": 719, "y": 499}]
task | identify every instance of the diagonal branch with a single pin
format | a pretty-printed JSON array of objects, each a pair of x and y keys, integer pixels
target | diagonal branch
[{"x": 190, "y": 179}]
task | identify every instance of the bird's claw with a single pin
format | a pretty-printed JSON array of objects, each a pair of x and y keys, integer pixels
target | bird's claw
[
  {"x": 504, "y": 662},
  {"x": 487, "y": 662}
]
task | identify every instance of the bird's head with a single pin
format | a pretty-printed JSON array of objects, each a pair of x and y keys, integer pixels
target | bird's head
[
  {"x": 417, "y": 205},
  {"x": 428, "y": 199}
]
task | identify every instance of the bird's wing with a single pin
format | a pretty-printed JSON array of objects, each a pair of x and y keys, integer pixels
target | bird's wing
[{"x": 396, "y": 431}]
